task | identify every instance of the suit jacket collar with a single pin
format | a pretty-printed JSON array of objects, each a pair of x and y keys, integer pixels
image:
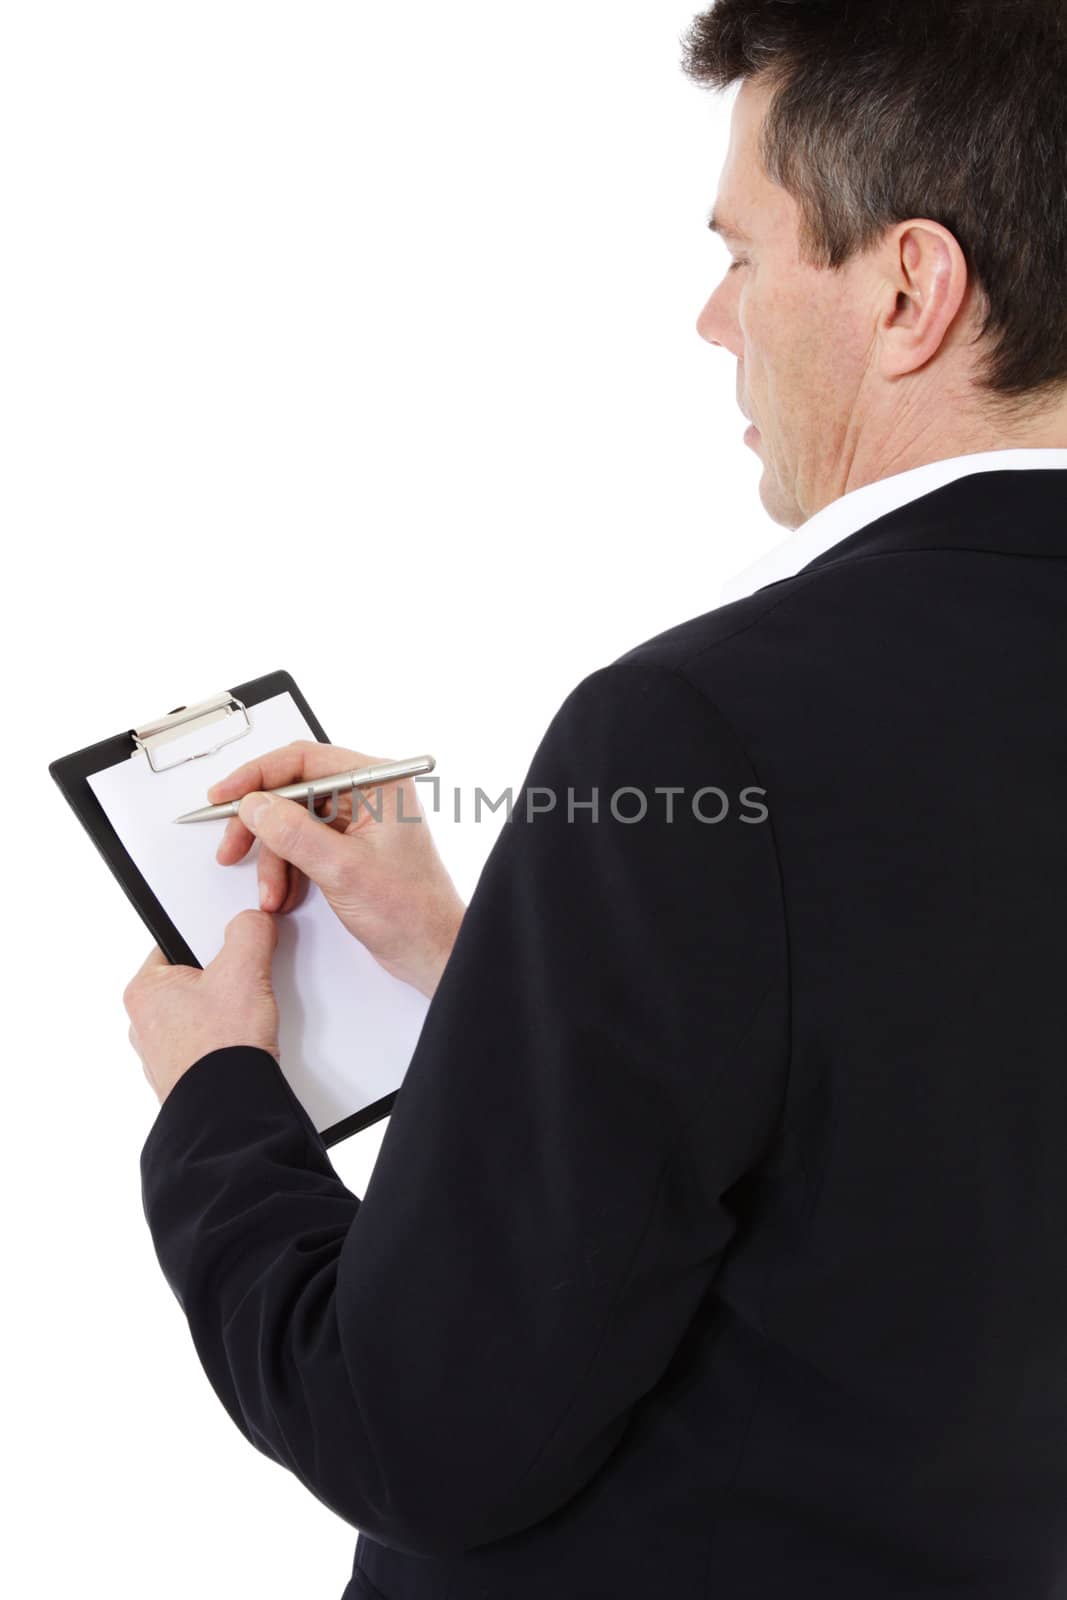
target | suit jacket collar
[
  {"x": 1006, "y": 512},
  {"x": 863, "y": 506}
]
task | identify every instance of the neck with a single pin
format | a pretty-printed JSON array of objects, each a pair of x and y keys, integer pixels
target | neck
[{"x": 916, "y": 441}]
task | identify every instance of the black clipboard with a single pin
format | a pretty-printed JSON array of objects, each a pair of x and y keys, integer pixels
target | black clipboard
[{"x": 72, "y": 772}]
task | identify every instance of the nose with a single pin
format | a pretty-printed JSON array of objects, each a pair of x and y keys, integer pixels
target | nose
[{"x": 717, "y": 323}]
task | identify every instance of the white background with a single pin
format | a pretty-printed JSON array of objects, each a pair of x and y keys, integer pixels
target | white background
[{"x": 356, "y": 339}]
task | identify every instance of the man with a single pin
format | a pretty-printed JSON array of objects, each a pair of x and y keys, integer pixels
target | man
[{"x": 716, "y": 1242}]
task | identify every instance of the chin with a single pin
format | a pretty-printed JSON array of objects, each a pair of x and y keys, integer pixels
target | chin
[{"x": 780, "y": 507}]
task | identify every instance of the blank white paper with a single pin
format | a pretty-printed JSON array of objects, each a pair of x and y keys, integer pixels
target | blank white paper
[{"x": 348, "y": 1029}]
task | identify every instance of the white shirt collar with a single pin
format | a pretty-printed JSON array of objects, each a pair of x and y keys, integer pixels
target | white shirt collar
[{"x": 858, "y": 507}]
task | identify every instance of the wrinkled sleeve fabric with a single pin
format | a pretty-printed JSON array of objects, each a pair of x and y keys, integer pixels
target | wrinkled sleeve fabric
[{"x": 455, "y": 1356}]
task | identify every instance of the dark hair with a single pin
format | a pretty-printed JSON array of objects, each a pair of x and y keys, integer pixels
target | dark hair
[{"x": 954, "y": 110}]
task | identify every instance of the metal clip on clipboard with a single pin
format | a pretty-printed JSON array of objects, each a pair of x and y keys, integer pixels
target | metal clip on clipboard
[{"x": 185, "y": 720}]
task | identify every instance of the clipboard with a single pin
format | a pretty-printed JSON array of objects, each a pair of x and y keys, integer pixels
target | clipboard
[{"x": 344, "y": 1044}]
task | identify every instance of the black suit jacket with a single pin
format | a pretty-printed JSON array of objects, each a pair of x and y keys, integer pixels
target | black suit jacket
[{"x": 717, "y": 1246}]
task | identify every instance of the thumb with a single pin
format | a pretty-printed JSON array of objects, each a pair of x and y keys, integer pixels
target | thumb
[
  {"x": 307, "y": 843},
  {"x": 249, "y": 941}
]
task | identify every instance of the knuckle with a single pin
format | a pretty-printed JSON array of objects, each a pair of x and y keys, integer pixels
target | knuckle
[{"x": 240, "y": 779}]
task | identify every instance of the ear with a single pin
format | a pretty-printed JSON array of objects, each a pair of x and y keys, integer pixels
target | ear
[{"x": 926, "y": 281}]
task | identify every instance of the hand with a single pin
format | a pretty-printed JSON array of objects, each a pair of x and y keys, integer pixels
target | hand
[
  {"x": 178, "y": 1014},
  {"x": 383, "y": 879}
]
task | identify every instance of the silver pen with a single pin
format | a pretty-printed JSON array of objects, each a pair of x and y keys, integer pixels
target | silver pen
[{"x": 361, "y": 778}]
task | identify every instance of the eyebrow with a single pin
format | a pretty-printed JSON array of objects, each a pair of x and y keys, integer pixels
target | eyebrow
[{"x": 727, "y": 229}]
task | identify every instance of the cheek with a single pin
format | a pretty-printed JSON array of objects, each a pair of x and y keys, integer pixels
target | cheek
[
  {"x": 790, "y": 350},
  {"x": 771, "y": 331},
  {"x": 833, "y": 336}
]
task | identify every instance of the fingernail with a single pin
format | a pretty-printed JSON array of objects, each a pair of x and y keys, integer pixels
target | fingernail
[
  {"x": 265, "y": 893},
  {"x": 252, "y": 808}
]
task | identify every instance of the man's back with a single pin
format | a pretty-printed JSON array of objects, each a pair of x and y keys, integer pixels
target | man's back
[{"x": 871, "y": 1399}]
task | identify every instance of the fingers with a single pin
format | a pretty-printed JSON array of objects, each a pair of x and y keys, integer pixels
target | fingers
[
  {"x": 249, "y": 940},
  {"x": 281, "y": 887},
  {"x": 236, "y": 840},
  {"x": 153, "y": 962},
  {"x": 155, "y": 958},
  {"x": 287, "y": 828},
  {"x": 298, "y": 887},
  {"x": 273, "y": 875},
  {"x": 235, "y": 843},
  {"x": 305, "y": 758}
]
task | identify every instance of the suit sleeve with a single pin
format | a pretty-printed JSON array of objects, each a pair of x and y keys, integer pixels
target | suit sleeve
[{"x": 455, "y": 1356}]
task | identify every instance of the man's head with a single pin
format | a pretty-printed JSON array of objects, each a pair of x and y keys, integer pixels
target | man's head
[{"x": 894, "y": 199}]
